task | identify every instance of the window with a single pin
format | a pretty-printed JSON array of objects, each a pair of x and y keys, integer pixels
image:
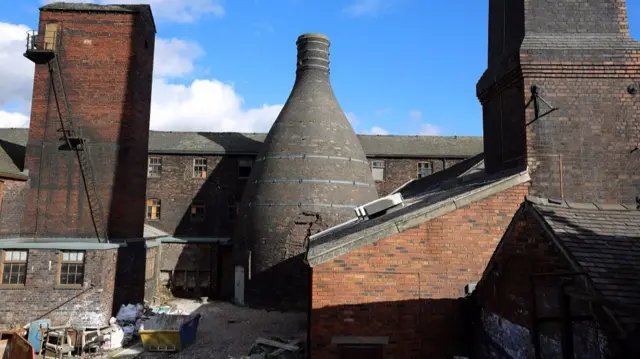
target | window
[
  {"x": 244, "y": 168},
  {"x": 72, "y": 268},
  {"x": 14, "y": 267},
  {"x": 200, "y": 168},
  {"x": 50, "y": 32},
  {"x": 153, "y": 209},
  {"x": 197, "y": 211},
  {"x": 424, "y": 169},
  {"x": 155, "y": 167},
  {"x": 150, "y": 267},
  {"x": 377, "y": 168}
]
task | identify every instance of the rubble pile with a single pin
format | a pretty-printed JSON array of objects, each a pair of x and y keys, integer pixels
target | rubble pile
[{"x": 276, "y": 348}]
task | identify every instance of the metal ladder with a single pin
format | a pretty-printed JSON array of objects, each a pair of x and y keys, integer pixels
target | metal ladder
[{"x": 76, "y": 142}]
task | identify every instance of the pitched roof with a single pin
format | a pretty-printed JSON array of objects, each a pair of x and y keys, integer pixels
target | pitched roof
[
  {"x": 12, "y": 154},
  {"x": 249, "y": 143},
  {"x": 423, "y": 200},
  {"x": 604, "y": 242}
]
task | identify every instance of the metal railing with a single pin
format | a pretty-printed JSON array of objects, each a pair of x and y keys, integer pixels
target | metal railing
[{"x": 35, "y": 42}]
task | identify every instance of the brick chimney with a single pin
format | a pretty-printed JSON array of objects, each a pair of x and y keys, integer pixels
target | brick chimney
[
  {"x": 577, "y": 68},
  {"x": 88, "y": 138}
]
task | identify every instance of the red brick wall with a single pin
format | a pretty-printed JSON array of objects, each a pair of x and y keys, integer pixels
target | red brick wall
[
  {"x": 107, "y": 72},
  {"x": 506, "y": 292},
  {"x": 408, "y": 286},
  {"x": 11, "y": 201},
  {"x": 40, "y": 296}
]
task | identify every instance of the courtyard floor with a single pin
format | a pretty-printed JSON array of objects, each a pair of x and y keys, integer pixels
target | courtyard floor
[{"x": 226, "y": 330}]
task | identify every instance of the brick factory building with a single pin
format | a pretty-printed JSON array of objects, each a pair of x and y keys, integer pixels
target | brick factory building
[
  {"x": 524, "y": 245},
  {"x": 95, "y": 209},
  {"x": 529, "y": 250}
]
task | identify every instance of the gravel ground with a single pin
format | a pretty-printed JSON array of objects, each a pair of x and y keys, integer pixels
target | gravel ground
[{"x": 227, "y": 330}]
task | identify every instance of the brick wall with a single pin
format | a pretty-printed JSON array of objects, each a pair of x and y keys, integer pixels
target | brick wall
[
  {"x": 582, "y": 151},
  {"x": 505, "y": 294},
  {"x": 11, "y": 202},
  {"x": 114, "y": 118},
  {"x": 400, "y": 170},
  {"x": 42, "y": 297},
  {"x": 177, "y": 188},
  {"x": 181, "y": 264},
  {"x": 408, "y": 286}
]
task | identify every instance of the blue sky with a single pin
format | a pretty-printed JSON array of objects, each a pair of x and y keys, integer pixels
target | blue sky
[{"x": 398, "y": 66}]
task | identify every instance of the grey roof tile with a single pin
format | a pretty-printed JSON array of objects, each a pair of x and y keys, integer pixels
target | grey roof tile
[
  {"x": 249, "y": 143},
  {"x": 12, "y": 152},
  {"x": 605, "y": 242},
  {"x": 420, "y": 204}
]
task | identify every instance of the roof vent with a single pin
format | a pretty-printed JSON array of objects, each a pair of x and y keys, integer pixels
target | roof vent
[{"x": 379, "y": 206}]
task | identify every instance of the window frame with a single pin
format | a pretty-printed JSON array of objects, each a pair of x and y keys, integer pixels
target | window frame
[
  {"x": 3, "y": 261},
  {"x": 198, "y": 204},
  {"x": 379, "y": 167},
  {"x": 430, "y": 163},
  {"x": 158, "y": 211},
  {"x": 158, "y": 165},
  {"x": 240, "y": 162},
  {"x": 195, "y": 165},
  {"x": 62, "y": 262}
]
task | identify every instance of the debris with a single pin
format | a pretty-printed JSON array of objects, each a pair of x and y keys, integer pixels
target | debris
[{"x": 276, "y": 348}]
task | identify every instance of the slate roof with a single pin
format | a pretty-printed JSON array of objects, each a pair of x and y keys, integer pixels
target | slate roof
[
  {"x": 249, "y": 143},
  {"x": 12, "y": 153},
  {"x": 604, "y": 241},
  {"x": 423, "y": 199}
]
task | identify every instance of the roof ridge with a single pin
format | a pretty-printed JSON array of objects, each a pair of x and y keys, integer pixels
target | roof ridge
[{"x": 588, "y": 206}]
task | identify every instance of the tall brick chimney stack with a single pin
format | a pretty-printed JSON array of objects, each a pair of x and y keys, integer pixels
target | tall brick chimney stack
[
  {"x": 577, "y": 68},
  {"x": 88, "y": 138}
]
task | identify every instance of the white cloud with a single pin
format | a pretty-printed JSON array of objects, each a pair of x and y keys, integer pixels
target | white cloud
[
  {"x": 371, "y": 8},
  {"x": 16, "y": 72},
  {"x": 204, "y": 104},
  {"x": 174, "y": 57},
  {"x": 13, "y": 119},
  {"x": 429, "y": 130},
  {"x": 416, "y": 115},
  {"x": 172, "y": 10},
  {"x": 375, "y": 130}
]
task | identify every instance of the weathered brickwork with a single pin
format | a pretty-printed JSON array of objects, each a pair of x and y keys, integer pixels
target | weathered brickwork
[
  {"x": 42, "y": 297},
  {"x": 11, "y": 199},
  {"x": 400, "y": 170},
  {"x": 585, "y": 67},
  {"x": 505, "y": 291},
  {"x": 114, "y": 117},
  {"x": 409, "y": 286},
  {"x": 195, "y": 270},
  {"x": 177, "y": 188}
]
